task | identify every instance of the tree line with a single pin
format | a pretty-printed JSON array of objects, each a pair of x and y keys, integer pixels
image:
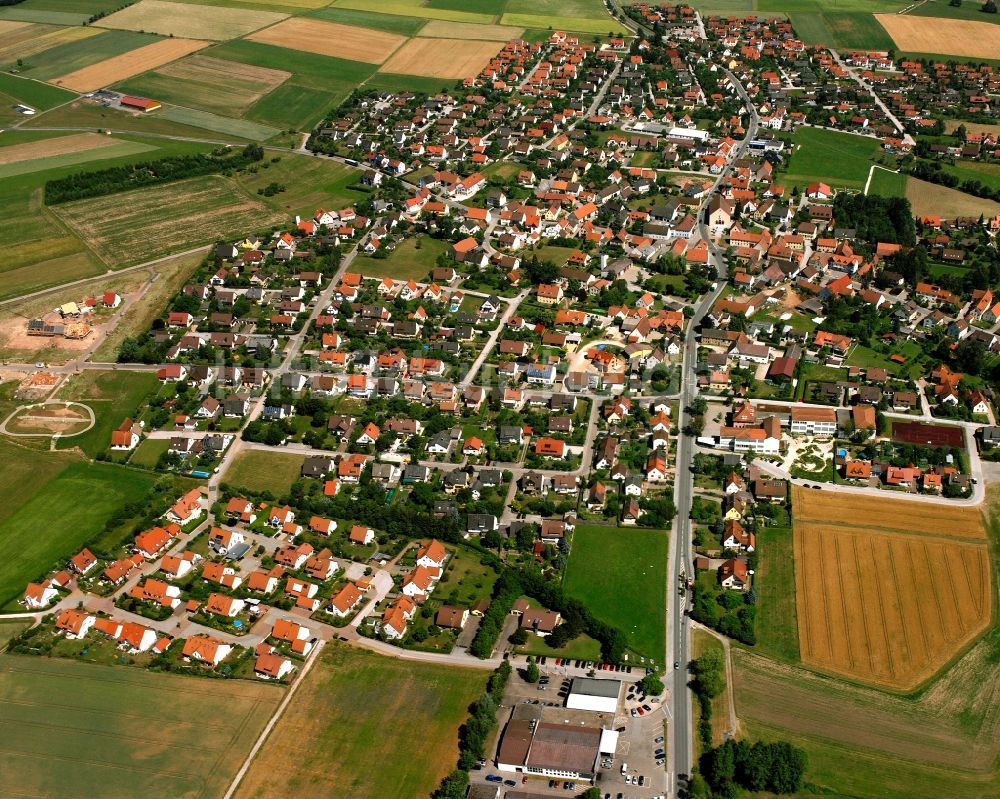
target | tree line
[
  {"x": 933, "y": 172},
  {"x": 83, "y": 185}
]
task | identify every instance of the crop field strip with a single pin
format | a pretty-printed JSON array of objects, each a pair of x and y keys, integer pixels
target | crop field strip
[
  {"x": 108, "y": 148},
  {"x": 857, "y": 588},
  {"x": 139, "y": 225},
  {"x": 188, "y": 21},
  {"x": 24, "y": 39},
  {"x": 330, "y": 39},
  {"x": 441, "y": 58},
  {"x": 439, "y": 29},
  {"x": 70, "y": 56},
  {"x": 126, "y": 65},
  {"x": 414, "y": 8}
]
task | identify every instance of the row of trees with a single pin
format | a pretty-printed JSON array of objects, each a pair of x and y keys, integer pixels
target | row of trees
[
  {"x": 475, "y": 733},
  {"x": 81, "y": 185},
  {"x": 776, "y": 767}
]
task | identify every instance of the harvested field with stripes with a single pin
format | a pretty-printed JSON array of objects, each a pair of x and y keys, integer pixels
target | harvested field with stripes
[
  {"x": 24, "y": 39},
  {"x": 441, "y": 58},
  {"x": 330, "y": 39},
  {"x": 190, "y": 21},
  {"x": 891, "y": 600},
  {"x": 128, "y": 64}
]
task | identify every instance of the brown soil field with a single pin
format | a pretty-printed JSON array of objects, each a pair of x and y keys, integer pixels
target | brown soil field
[
  {"x": 442, "y": 29},
  {"x": 249, "y": 81},
  {"x": 973, "y": 127},
  {"x": 930, "y": 199},
  {"x": 190, "y": 21},
  {"x": 441, "y": 58},
  {"x": 888, "y": 513},
  {"x": 24, "y": 39},
  {"x": 45, "y": 148},
  {"x": 127, "y": 64},
  {"x": 961, "y": 37},
  {"x": 330, "y": 39}
]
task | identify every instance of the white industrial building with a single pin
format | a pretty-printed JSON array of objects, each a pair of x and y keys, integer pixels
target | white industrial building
[{"x": 600, "y": 696}]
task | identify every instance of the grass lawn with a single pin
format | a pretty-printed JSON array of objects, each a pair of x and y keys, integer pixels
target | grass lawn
[
  {"x": 148, "y": 452},
  {"x": 621, "y": 575},
  {"x": 10, "y": 628},
  {"x": 310, "y": 183},
  {"x": 71, "y": 506},
  {"x": 355, "y": 716},
  {"x": 123, "y": 731},
  {"x": 113, "y": 396},
  {"x": 777, "y": 630},
  {"x": 582, "y": 647},
  {"x": 465, "y": 580},
  {"x": 258, "y": 470},
  {"x": 406, "y": 262},
  {"x": 838, "y": 159},
  {"x": 888, "y": 184}
]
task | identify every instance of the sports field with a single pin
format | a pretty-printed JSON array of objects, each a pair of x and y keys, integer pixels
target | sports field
[
  {"x": 958, "y": 37},
  {"x": 108, "y": 732},
  {"x": 123, "y": 66},
  {"x": 620, "y": 575},
  {"x": 256, "y": 470},
  {"x": 190, "y": 21},
  {"x": 213, "y": 84},
  {"x": 68, "y": 499},
  {"x": 839, "y": 159},
  {"x": 365, "y": 726},
  {"x": 887, "y": 594},
  {"x": 331, "y": 39},
  {"x": 441, "y": 58},
  {"x": 139, "y": 225}
]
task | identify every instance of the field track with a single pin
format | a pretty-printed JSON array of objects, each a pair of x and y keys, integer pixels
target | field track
[
  {"x": 959, "y": 37},
  {"x": 441, "y": 58},
  {"x": 128, "y": 64},
  {"x": 330, "y": 39},
  {"x": 882, "y": 605}
]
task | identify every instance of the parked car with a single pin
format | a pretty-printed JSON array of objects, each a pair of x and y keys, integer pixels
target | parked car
[
  {"x": 511, "y": 783},
  {"x": 493, "y": 778}
]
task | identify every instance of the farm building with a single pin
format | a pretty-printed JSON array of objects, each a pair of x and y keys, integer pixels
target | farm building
[
  {"x": 143, "y": 104},
  {"x": 601, "y": 696}
]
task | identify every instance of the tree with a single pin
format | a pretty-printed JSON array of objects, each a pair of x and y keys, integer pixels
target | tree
[
  {"x": 989, "y": 7},
  {"x": 531, "y": 673},
  {"x": 651, "y": 684},
  {"x": 453, "y": 786},
  {"x": 709, "y": 673},
  {"x": 591, "y": 793},
  {"x": 519, "y": 637}
]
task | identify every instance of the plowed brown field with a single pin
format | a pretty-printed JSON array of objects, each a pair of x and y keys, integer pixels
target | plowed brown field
[
  {"x": 893, "y": 599},
  {"x": 128, "y": 64}
]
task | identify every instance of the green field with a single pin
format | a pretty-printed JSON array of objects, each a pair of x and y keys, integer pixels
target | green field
[
  {"x": 57, "y": 12},
  {"x": 412, "y": 83},
  {"x": 621, "y": 576},
  {"x": 39, "y": 96},
  {"x": 71, "y": 506},
  {"x": 940, "y": 8},
  {"x": 240, "y": 128},
  {"x": 406, "y": 262},
  {"x": 122, "y": 148},
  {"x": 583, "y": 647},
  {"x": 357, "y": 709},
  {"x": 415, "y": 8},
  {"x": 404, "y": 26},
  {"x": 71, "y": 56},
  {"x": 148, "y": 452},
  {"x": 113, "y": 396},
  {"x": 578, "y": 16},
  {"x": 317, "y": 84},
  {"x": 843, "y": 30},
  {"x": 256, "y": 470},
  {"x": 888, "y": 184},
  {"x": 840, "y": 160},
  {"x": 112, "y": 731},
  {"x": 311, "y": 183},
  {"x": 777, "y": 630}
]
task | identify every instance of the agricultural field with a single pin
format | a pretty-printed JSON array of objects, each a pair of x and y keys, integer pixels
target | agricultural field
[
  {"x": 124, "y": 731},
  {"x": 190, "y": 21},
  {"x": 74, "y": 55},
  {"x": 388, "y": 23},
  {"x": 211, "y": 84},
  {"x": 416, "y": 8},
  {"x": 777, "y": 631},
  {"x": 843, "y": 30},
  {"x": 135, "y": 226},
  {"x": 70, "y": 150},
  {"x": 232, "y": 128},
  {"x": 841, "y": 160},
  {"x": 931, "y": 199},
  {"x": 126, "y": 65},
  {"x": 578, "y": 16},
  {"x": 437, "y": 29},
  {"x": 311, "y": 183},
  {"x": 112, "y": 395},
  {"x": 38, "y": 95},
  {"x": 889, "y": 602},
  {"x": 58, "y": 12},
  {"x": 406, "y": 262},
  {"x": 24, "y": 39},
  {"x": 337, "y": 728},
  {"x": 860, "y": 741},
  {"x": 620, "y": 575},
  {"x": 68, "y": 499},
  {"x": 955, "y": 37},
  {"x": 258, "y": 470},
  {"x": 330, "y": 39},
  {"x": 441, "y": 58}
]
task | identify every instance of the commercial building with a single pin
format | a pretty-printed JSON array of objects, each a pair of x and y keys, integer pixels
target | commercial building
[
  {"x": 601, "y": 696},
  {"x": 548, "y": 749}
]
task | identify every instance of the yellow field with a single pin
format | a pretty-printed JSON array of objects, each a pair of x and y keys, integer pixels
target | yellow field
[
  {"x": 441, "y": 58},
  {"x": 127, "y": 64},
  {"x": 887, "y": 593},
  {"x": 330, "y": 39},
  {"x": 961, "y": 37},
  {"x": 46, "y": 148},
  {"x": 190, "y": 21},
  {"x": 23, "y": 39},
  {"x": 930, "y": 199},
  {"x": 440, "y": 29},
  {"x": 973, "y": 127}
]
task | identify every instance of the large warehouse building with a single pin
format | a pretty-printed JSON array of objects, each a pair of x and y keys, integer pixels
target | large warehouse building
[
  {"x": 550, "y": 750},
  {"x": 600, "y": 696}
]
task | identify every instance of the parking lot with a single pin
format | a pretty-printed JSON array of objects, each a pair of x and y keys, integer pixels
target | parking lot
[{"x": 636, "y": 771}]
